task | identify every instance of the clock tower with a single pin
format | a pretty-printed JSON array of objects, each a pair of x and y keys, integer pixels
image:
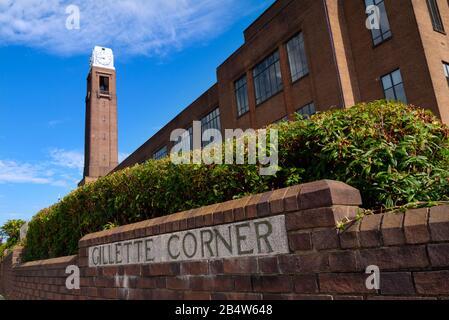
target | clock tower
[{"x": 101, "y": 145}]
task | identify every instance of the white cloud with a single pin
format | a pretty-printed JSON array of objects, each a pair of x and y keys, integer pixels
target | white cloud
[
  {"x": 67, "y": 159},
  {"x": 128, "y": 26},
  {"x": 63, "y": 168},
  {"x": 14, "y": 172}
]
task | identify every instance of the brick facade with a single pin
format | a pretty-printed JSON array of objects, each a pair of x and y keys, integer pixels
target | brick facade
[
  {"x": 344, "y": 66},
  {"x": 411, "y": 249}
]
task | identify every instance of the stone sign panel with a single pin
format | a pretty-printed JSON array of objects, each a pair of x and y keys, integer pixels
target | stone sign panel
[{"x": 266, "y": 236}]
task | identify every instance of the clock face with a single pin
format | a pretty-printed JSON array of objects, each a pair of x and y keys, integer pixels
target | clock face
[{"x": 104, "y": 58}]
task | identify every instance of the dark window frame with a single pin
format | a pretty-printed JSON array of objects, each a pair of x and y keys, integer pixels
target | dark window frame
[
  {"x": 265, "y": 71},
  {"x": 241, "y": 95},
  {"x": 303, "y": 59},
  {"x": 435, "y": 16},
  {"x": 160, "y": 153},
  {"x": 207, "y": 121},
  {"x": 309, "y": 106},
  {"x": 384, "y": 35},
  {"x": 394, "y": 86},
  {"x": 104, "y": 84},
  {"x": 446, "y": 70}
]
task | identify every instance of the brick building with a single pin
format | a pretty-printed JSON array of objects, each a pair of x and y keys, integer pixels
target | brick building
[{"x": 312, "y": 55}]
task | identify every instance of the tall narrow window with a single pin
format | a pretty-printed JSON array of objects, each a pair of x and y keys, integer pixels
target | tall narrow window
[
  {"x": 241, "y": 95},
  {"x": 307, "y": 110},
  {"x": 211, "y": 121},
  {"x": 435, "y": 15},
  {"x": 378, "y": 18},
  {"x": 267, "y": 78},
  {"x": 160, "y": 154},
  {"x": 394, "y": 87},
  {"x": 297, "y": 57},
  {"x": 446, "y": 70},
  {"x": 104, "y": 85}
]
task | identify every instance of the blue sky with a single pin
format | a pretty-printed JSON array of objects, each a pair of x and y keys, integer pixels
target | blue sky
[{"x": 166, "y": 54}]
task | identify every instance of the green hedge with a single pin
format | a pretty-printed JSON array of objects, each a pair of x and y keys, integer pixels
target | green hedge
[{"x": 393, "y": 153}]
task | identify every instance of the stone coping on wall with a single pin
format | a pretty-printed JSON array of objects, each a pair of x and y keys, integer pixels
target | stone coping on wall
[
  {"x": 414, "y": 227},
  {"x": 55, "y": 262},
  {"x": 299, "y": 198}
]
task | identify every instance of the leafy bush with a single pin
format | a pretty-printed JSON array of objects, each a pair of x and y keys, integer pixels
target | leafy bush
[
  {"x": 393, "y": 153},
  {"x": 11, "y": 231}
]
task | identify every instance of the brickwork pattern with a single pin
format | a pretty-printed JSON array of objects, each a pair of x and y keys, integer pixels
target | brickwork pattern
[{"x": 411, "y": 249}]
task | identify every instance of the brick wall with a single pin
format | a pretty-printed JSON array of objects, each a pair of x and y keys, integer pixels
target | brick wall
[{"x": 411, "y": 250}]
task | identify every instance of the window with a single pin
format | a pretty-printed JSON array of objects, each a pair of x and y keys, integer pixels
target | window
[
  {"x": 435, "y": 15},
  {"x": 446, "y": 70},
  {"x": 382, "y": 33},
  {"x": 267, "y": 78},
  {"x": 283, "y": 119},
  {"x": 297, "y": 57},
  {"x": 160, "y": 154},
  {"x": 104, "y": 85},
  {"x": 241, "y": 95},
  {"x": 186, "y": 139},
  {"x": 307, "y": 110},
  {"x": 211, "y": 121},
  {"x": 394, "y": 87}
]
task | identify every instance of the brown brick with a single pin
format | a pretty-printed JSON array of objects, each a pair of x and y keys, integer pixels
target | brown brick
[
  {"x": 432, "y": 283},
  {"x": 194, "y": 268},
  {"x": 263, "y": 206},
  {"x": 178, "y": 283},
  {"x": 167, "y": 295},
  {"x": 161, "y": 269},
  {"x": 300, "y": 241},
  {"x": 212, "y": 283},
  {"x": 327, "y": 193},
  {"x": 289, "y": 264},
  {"x": 140, "y": 294},
  {"x": 277, "y": 201},
  {"x": 345, "y": 283},
  {"x": 325, "y": 239},
  {"x": 108, "y": 293},
  {"x": 308, "y": 219},
  {"x": 272, "y": 284},
  {"x": 315, "y": 262},
  {"x": 439, "y": 223},
  {"x": 268, "y": 265},
  {"x": 439, "y": 254},
  {"x": 239, "y": 209},
  {"x": 251, "y": 207},
  {"x": 415, "y": 226},
  {"x": 242, "y": 283},
  {"x": 396, "y": 283},
  {"x": 291, "y": 198},
  {"x": 133, "y": 270},
  {"x": 392, "y": 229},
  {"x": 192, "y": 295},
  {"x": 394, "y": 258},
  {"x": 349, "y": 238},
  {"x": 348, "y": 298},
  {"x": 344, "y": 261},
  {"x": 306, "y": 283},
  {"x": 236, "y": 296},
  {"x": 391, "y": 298},
  {"x": 369, "y": 235},
  {"x": 216, "y": 267},
  {"x": 240, "y": 265}
]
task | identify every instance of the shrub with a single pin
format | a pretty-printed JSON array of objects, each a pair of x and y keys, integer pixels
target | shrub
[
  {"x": 393, "y": 153},
  {"x": 11, "y": 231}
]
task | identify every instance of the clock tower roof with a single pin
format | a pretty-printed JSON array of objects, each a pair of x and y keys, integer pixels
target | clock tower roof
[{"x": 102, "y": 57}]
